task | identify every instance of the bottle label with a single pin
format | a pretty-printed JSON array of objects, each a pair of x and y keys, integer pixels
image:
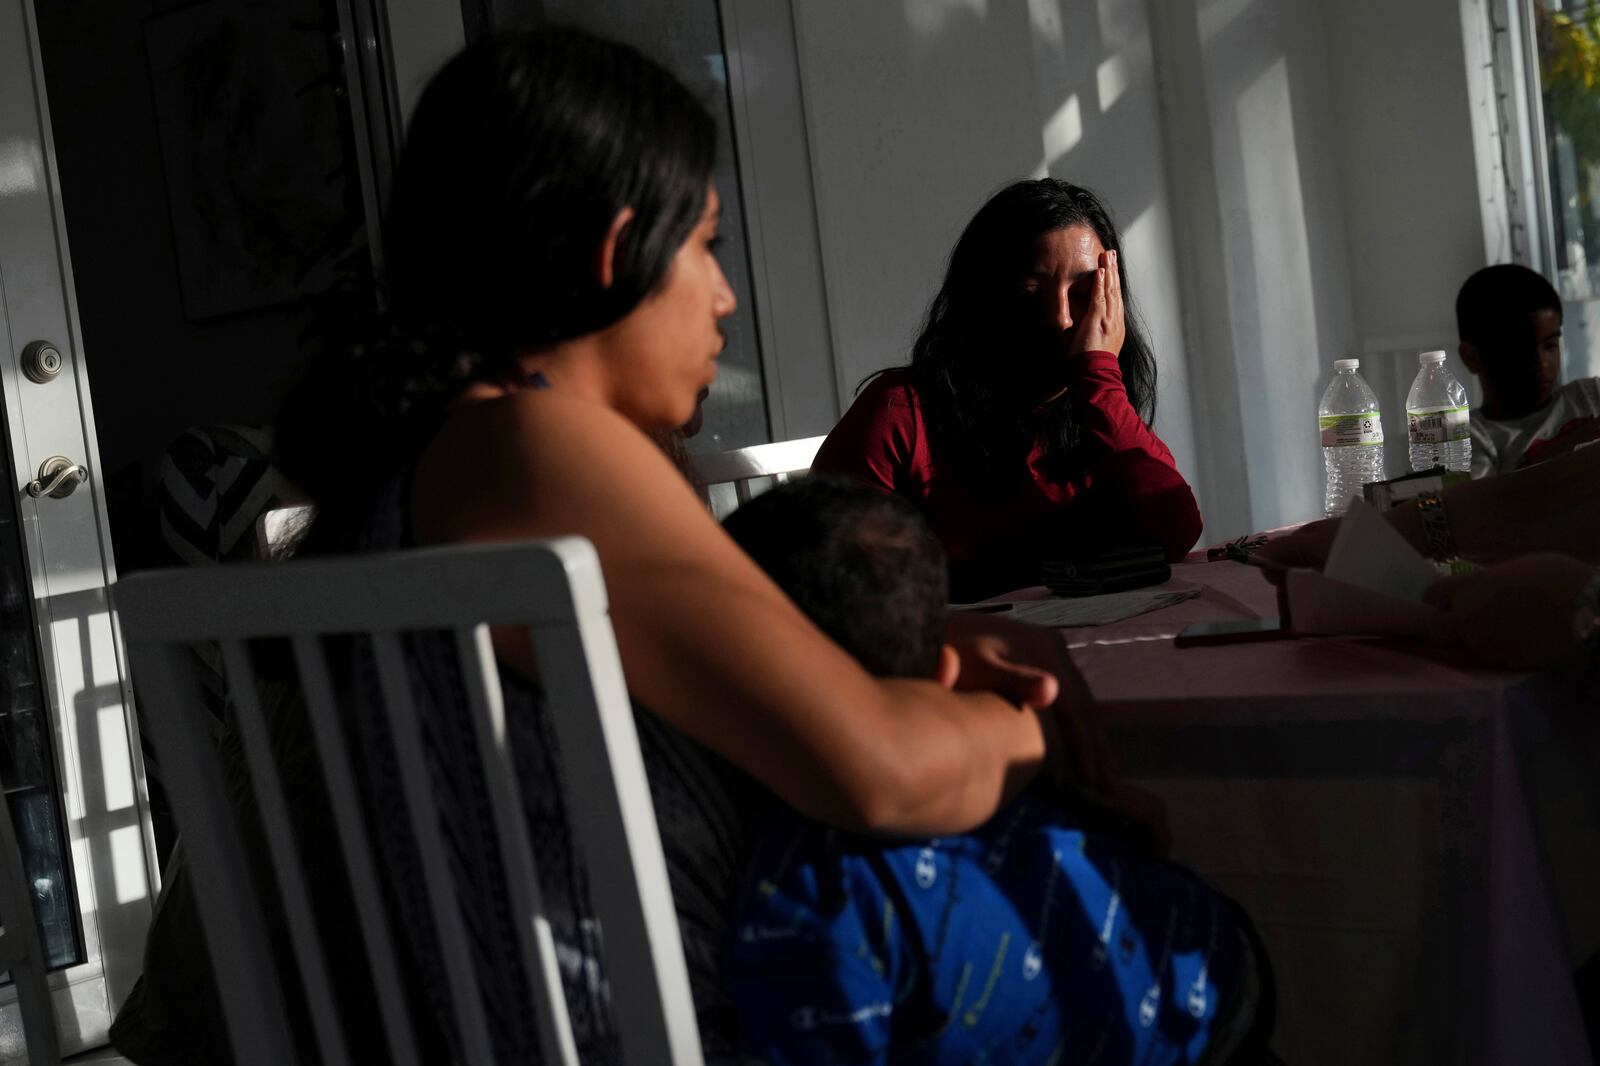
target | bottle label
[
  {"x": 1339, "y": 430},
  {"x": 1438, "y": 425}
]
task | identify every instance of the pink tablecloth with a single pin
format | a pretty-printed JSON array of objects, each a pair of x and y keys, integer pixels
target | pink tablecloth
[
  {"x": 1366, "y": 801},
  {"x": 1134, "y": 667}
]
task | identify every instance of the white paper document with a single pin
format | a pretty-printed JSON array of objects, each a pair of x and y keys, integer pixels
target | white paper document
[
  {"x": 1373, "y": 583},
  {"x": 1370, "y": 554}
]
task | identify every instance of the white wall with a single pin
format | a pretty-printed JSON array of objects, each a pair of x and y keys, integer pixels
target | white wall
[
  {"x": 1404, "y": 150},
  {"x": 1339, "y": 155},
  {"x": 916, "y": 112},
  {"x": 1415, "y": 221},
  {"x": 1264, "y": 86}
]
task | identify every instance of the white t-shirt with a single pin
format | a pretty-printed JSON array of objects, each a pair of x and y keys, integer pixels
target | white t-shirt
[{"x": 1500, "y": 446}]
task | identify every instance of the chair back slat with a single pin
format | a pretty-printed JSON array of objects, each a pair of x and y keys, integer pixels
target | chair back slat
[
  {"x": 535, "y": 944},
  {"x": 412, "y": 591},
  {"x": 758, "y": 460},
  {"x": 742, "y": 468},
  {"x": 554, "y": 590},
  {"x": 225, "y": 894},
  {"x": 287, "y": 870},
  {"x": 593, "y": 717},
  {"x": 372, "y": 912},
  {"x": 455, "y": 949}
]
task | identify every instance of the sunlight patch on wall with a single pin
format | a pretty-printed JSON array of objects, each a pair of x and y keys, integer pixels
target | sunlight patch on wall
[
  {"x": 71, "y": 684},
  {"x": 127, "y": 864},
  {"x": 1063, "y": 130},
  {"x": 1046, "y": 18},
  {"x": 928, "y": 17},
  {"x": 21, "y": 167},
  {"x": 1147, "y": 243},
  {"x": 1138, "y": 240},
  {"x": 116, "y": 766},
  {"x": 1112, "y": 78},
  {"x": 1283, "y": 391}
]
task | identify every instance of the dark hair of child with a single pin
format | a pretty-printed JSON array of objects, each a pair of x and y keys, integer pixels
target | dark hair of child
[
  {"x": 1493, "y": 306},
  {"x": 862, "y": 564}
]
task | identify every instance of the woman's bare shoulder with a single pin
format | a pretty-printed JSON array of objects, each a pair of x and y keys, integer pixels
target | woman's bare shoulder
[{"x": 537, "y": 463}]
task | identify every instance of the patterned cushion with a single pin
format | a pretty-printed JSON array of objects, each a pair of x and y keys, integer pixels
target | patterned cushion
[{"x": 215, "y": 482}]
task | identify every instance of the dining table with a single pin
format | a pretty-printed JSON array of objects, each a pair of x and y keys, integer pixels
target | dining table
[{"x": 1413, "y": 833}]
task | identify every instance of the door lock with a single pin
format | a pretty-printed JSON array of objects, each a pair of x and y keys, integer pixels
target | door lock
[
  {"x": 42, "y": 361},
  {"x": 58, "y": 477}
]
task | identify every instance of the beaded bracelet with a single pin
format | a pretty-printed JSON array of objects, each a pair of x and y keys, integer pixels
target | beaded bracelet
[{"x": 1436, "y": 528}]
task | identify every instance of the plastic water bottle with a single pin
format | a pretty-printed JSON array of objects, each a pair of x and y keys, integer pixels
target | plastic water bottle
[
  {"x": 1352, "y": 436},
  {"x": 1437, "y": 418}
]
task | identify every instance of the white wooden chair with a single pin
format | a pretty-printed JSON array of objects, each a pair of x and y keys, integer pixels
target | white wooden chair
[
  {"x": 552, "y": 587},
  {"x": 744, "y": 467}
]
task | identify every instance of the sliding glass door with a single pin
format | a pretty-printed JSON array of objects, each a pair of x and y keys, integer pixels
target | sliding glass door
[{"x": 69, "y": 766}]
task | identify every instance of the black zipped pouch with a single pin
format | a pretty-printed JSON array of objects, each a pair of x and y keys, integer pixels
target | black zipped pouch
[{"x": 1113, "y": 571}]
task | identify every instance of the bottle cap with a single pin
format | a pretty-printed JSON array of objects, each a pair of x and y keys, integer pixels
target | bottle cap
[
  {"x": 1347, "y": 364},
  {"x": 1430, "y": 357}
]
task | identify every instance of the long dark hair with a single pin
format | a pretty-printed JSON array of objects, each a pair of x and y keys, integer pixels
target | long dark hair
[
  {"x": 521, "y": 152},
  {"x": 965, "y": 351}
]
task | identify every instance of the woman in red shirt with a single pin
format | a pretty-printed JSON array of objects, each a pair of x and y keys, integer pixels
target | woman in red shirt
[{"x": 1022, "y": 425}]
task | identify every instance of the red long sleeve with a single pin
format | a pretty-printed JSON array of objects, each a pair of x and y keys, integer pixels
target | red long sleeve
[
  {"x": 1128, "y": 460},
  {"x": 879, "y": 438},
  {"x": 998, "y": 534}
]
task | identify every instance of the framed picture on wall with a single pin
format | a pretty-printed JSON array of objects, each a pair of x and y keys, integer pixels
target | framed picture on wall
[{"x": 248, "y": 100}]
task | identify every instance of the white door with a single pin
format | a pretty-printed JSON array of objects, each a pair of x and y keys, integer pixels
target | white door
[{"x": 69, "y": 762}]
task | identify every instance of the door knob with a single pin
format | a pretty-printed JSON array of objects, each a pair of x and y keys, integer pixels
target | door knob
[{"x": 58, "y": 476}]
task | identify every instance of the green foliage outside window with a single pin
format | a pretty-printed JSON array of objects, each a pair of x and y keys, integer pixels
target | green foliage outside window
[{"x": 1569, "y": 72}]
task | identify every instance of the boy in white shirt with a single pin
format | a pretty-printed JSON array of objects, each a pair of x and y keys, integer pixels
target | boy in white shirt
[{"x": 1509, "y": 320}]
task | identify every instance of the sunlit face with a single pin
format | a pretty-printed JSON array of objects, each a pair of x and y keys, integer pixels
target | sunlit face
[
  {"x": 1058, "y": 281},
  {"x": 668, "y": 345},
  {"x": 1547, "y": 343}
]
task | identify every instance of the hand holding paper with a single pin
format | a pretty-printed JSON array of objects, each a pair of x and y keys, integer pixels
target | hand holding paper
[{"x": 1374, "y": 583}]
